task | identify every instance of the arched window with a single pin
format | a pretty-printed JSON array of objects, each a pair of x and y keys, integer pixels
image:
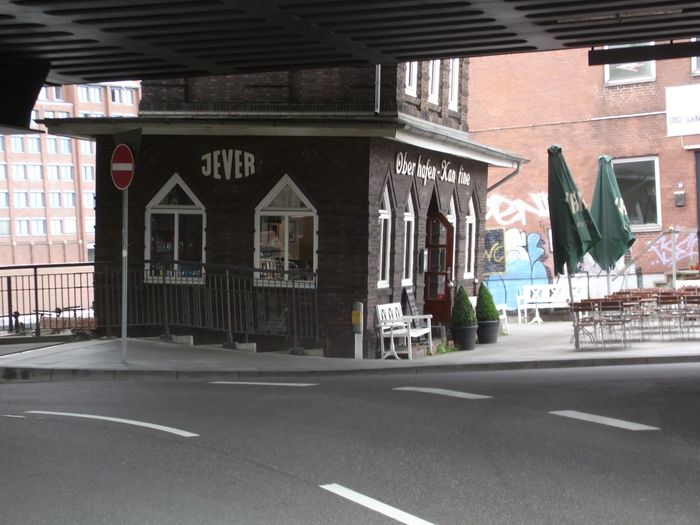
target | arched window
[
  {"x": 285, "y": 233},
  {"x": 409, "y": 230},
  {"x": 175, "y": 226},
  {"x": 470, "y": 240},
  {"x": 452, "y": 219},
  {"x": 384, "y": 239}
]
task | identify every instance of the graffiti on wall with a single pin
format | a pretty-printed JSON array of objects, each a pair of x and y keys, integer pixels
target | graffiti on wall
[
  {"x": 494, "y": 251},
  {"x": 686, "y": 249},
  {"x": 507, "y": 212},
  {"x": 524, "y": 264}
]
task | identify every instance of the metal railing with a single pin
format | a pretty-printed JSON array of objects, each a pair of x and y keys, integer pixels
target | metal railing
[{"x": 177, "y": 294}]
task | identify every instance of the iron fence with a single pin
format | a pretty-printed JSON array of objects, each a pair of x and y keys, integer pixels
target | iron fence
[{"x": 218, "y": 298}]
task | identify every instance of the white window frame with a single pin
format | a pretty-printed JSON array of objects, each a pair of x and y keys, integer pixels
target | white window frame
[
  {"x": 154, "y": 207},
  {"x": 384, "y": 247},
  {"x": 69, "y": 199},
  {"x": 88, "y": 173},
  {"x": 263, "y": 209},
  {"x": 56, "y": 226},
  {"x": 70, "y": 225},
  {"x": 21, "y": 199},
  {"x": 409, "y": 240},
  {"x": 38, "y": 226},
  {"x": 452, "y": 219},
  {"x": 33, "y": 145},
  {"x": 83, "y": 94},
  {"x": 412, "y": 79},
  {"x": 35, "y": 172},
  {"x": 52, "y": 145},
  {"x": 694, "y": 63},
  {"x": 17, "y": 143},
  {"x": 4, "y": 199},
  {"x": 55, "y": 199},
  {"x": 434, "y": 81},
  {"x": 453, "y": 97},
  {"x": 648, "y": 227},
  {"x": 5, "y": 227},
  {"x": 37, "y": 199},
  {"x": 3, "y": 169},
  {"x": 22, "y": 227},
  {"x": 53, "y": 172},
  {"x": 89, "y": 199},
  {"x": 19, "y": 172},
  {"x": 636, "y": 80},
  {"x": 470, "y": 240}
]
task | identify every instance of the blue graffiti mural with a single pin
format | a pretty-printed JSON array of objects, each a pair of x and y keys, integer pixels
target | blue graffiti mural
[{"x": 524, "y": 262}]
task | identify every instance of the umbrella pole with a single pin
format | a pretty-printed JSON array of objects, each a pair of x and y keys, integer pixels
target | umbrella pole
[
  {"x": 577, "y": 344},
  {"x": 608, "y": 279}
]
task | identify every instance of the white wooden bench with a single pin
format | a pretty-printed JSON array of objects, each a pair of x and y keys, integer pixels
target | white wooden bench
[
  {"x": 392, "y": 324},
  {"x": 537, "y": 296}
]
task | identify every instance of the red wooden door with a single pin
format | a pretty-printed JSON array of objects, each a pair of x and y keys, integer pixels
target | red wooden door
[{"x": 438, "y": 272}]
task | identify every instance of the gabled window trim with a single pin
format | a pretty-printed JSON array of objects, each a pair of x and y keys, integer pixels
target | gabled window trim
[
  {"x": 176, "y": 209},
  {"x": 470, "y": 240},
  {"x": 409, "y": 240},
  {"x": 385, "y": 220},
  {"x": 263, "y": 209}
]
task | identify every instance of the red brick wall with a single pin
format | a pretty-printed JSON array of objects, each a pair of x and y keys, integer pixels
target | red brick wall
[{"x": 526, "y": 102}]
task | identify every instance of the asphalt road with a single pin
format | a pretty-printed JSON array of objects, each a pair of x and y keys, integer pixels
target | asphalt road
[{"x": 618, "y": 445}]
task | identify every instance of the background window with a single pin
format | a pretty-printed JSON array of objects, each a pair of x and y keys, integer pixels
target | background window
[
  {"x": 21, "y": 199},
  {"x": 434, "y": 81},
  {"x": 70, "y": 225},
  {"x": 453, "y": 99},
  {"x": 35, "y": 172},
  {"x": 52, "y": 172},
  {"x": 638, "y": 180},
  {"x": 630, "y": 72},
  {"x": 66, "y": 172},
  {"x": 3, "y": 171},
  {"x": 36, "y": 199},
  {"x": 17, "y": 143},
  {"x": 88, "y": 173},
  {"x": 68, "y": 199},
  {"x": 4, "y": 199},
  {"x": 38, "y": 226},
  {"x": 57, "y": 226},
  {"x": 22, "y": 226},
  {"x": 33, "y": 145},
  {"x": 55, "y": 199},
  {"x": 88, "y": 199},
  {"x": 412, "y": 78},
  {"x": 19, "y": 172},
  {"x": 4, "y": 226}
]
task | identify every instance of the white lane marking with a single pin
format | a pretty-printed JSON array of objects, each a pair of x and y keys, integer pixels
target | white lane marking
[
  {"x": 442, "y": 392},
  {"x": 12, "y": 415},
  {"x": 171, "y": 430},
  {"x": 373, "y": 504},
  {"x": 612, "y": 422},
  {"x": 254, "y": 383}
]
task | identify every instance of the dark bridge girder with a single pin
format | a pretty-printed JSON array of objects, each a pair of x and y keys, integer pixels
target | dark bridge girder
[{"x": 105, "y": 40}]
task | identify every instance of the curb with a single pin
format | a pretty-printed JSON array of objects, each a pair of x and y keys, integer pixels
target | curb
[{"x": 35, "y": 375}]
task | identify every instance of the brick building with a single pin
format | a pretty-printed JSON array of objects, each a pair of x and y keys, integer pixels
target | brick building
[
  {"x": 364, "y": 176},
  {"x": 47, "y": 182},
  {"x": 527, "y": 102}
]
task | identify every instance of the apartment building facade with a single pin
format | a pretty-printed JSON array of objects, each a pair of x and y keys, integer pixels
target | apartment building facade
[
  {"x": 47, "y": 182},
  {"x": 527, "y": 102}
]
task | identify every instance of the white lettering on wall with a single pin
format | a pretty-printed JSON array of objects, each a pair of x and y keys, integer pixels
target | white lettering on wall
[
  {"x": 426, "y": 170},
  {"x": 228, "y": 163}
]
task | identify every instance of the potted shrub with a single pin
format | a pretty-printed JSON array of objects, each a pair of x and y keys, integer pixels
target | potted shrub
[
  {"x": 487, "y": 316},
  {"x": 463, "y": 321}
]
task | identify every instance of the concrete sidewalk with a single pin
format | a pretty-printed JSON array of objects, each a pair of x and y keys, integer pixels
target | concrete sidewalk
[{"x": 546, "y": 345}]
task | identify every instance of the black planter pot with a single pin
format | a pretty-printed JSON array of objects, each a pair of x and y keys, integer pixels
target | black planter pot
[
  {"x": 464, "y": 337},
  {"x": 488, "y": 331}
]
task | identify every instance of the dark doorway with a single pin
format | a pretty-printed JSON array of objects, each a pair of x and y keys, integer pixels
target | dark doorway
[{"x": 438, "y": 274}]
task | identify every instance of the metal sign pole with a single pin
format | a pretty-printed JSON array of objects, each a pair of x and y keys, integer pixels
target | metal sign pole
[{"x": 125, "y": 246}]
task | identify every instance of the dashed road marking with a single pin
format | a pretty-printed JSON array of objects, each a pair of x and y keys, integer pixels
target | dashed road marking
[
  {"x": 612, "y": 422},
  {"x": 443, "y": 392},
  {"x": 13, "y": 415},
  {"x": 375, "y": 505},
  {"x": 256, "y": 383},
  {"x": 153, "y": 426}
]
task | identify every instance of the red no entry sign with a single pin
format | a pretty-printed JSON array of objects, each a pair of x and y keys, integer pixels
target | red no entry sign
[{"x": 122, "y": 166}]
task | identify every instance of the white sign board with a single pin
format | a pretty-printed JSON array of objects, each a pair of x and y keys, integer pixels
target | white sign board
[{"x": 683, "y": 110}]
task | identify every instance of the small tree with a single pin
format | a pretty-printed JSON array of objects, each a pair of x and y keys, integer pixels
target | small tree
[
  {"x": 463, "y": 313},
  {"x": 485, "y": 307}
]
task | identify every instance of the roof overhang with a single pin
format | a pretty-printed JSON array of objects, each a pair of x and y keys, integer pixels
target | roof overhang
[{"x": 405, "y": 129}]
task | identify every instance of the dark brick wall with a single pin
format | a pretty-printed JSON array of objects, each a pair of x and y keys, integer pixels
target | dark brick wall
[{"x": 342, "y": 178}]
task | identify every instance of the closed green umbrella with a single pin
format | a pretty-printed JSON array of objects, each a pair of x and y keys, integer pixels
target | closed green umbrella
[
  {"x": 574, "y": 233},
  {"x": 609, "y": 213}
]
